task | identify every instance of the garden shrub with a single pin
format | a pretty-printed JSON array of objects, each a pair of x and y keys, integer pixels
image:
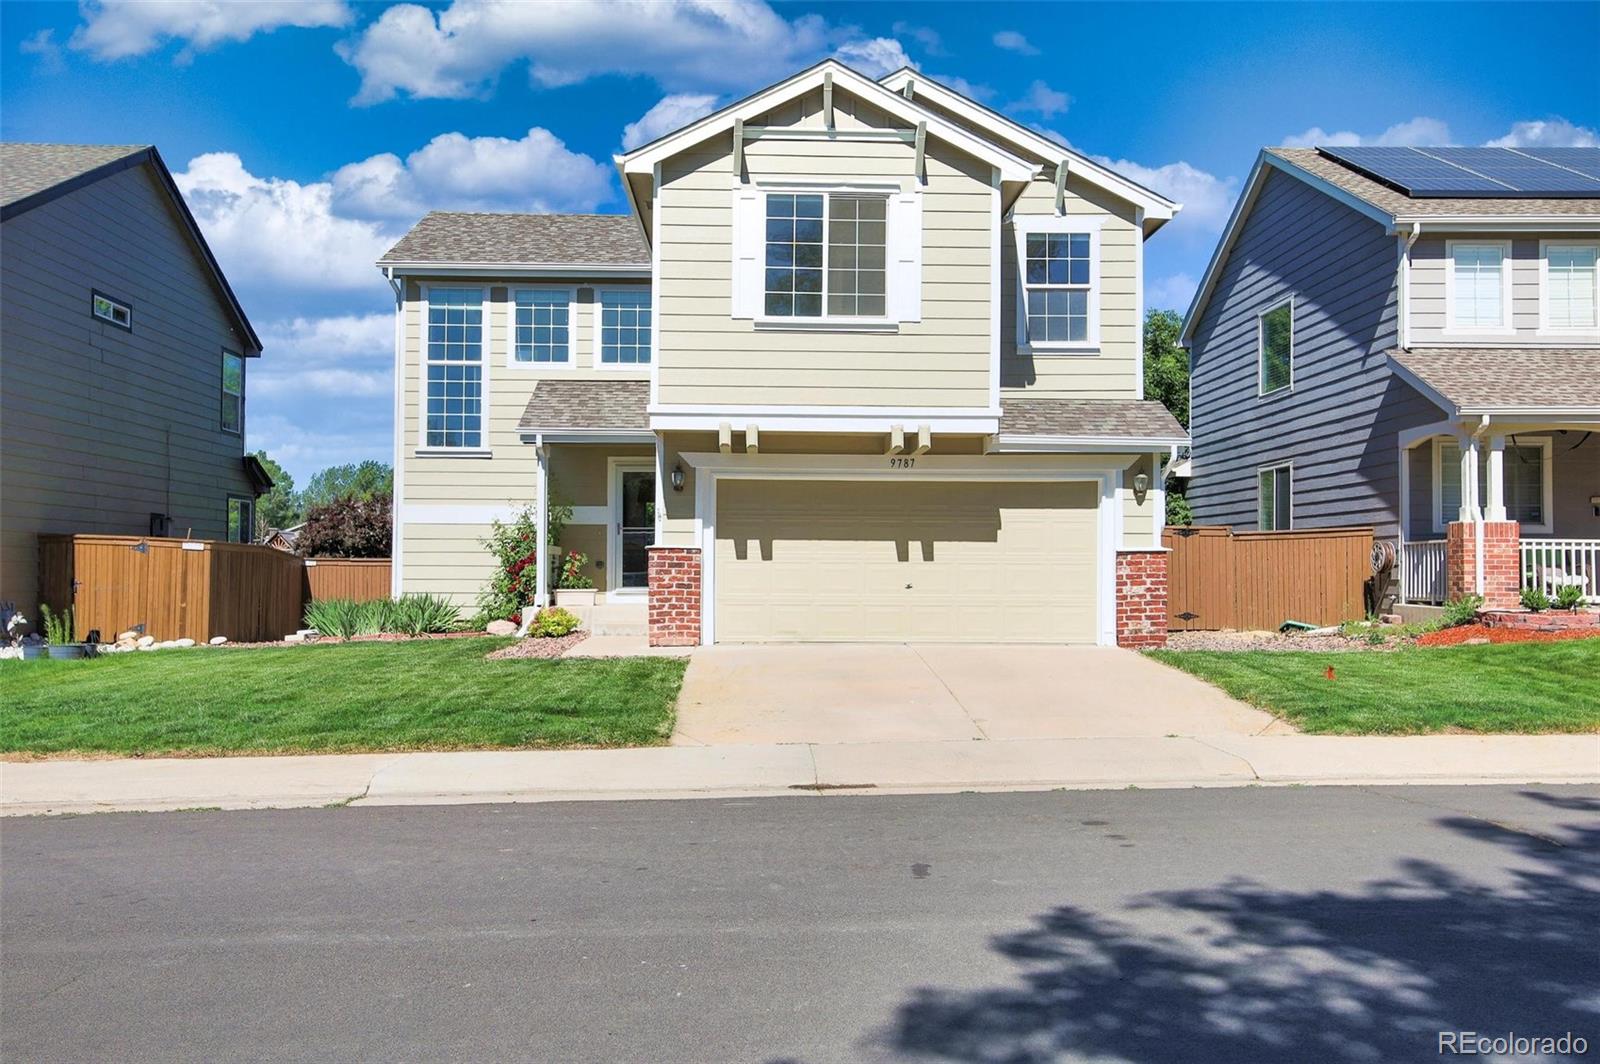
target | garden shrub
[
  {"x": 422, "y": 614},
  {"x": 513, "y": 544},
  {"x": 1534, "y": 598},
  {"x": 553, "y": 623},
  {"x": 1569, "y": 597},
  {"x": 572, "y": 574},
  {"x": 347, "y": 528},
  {"x": 1463, "y": 610}
]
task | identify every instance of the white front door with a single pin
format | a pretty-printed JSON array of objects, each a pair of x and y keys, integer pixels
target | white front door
[{"x": 633, "y": 525}]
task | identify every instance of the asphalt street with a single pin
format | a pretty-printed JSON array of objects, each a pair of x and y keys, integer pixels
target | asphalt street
[{"x": 1335, "y": 924}]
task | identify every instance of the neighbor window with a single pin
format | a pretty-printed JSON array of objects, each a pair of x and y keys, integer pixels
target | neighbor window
[
  {"x": 1523, "y": 469},
  {"x": 1570, "y": 286},
  {"x": 1272, "y": 503},
  {"x": 114, "y": 311},
  {"x": 1275, "y": 342},
  {"x": 624, "y": 328},
  {"x": 455, "y": 368},
  {"x": 542, "y": 324},
  {"x": 241, "y": 519},
  {"x": 1477, "y": 281},
  {"x": 841, "y": 267},
  {"x": 232, "y": 392}
]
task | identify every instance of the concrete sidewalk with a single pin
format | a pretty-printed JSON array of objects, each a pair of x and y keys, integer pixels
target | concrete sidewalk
[{"x": 793, "y": 769}]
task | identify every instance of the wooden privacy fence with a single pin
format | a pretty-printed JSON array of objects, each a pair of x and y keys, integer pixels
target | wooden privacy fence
[
  {"x": 1218, "y": 578},
  {"x": 193, "y": 589}
]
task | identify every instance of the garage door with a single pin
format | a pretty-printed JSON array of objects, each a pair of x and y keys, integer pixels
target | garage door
[{"x": 896, "y": 561}]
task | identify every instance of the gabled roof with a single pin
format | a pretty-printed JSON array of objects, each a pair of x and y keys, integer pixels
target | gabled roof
[
  {"x": 642, "y": 160},
  {"x": 1156, "y": 206},
  {"x": 456, "y": 238},
  {"x": 32, "y": 175},
  {"x": 1505, "y": 381}
]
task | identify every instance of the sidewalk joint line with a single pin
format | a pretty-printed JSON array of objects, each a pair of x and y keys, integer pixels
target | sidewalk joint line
[
  {"x": 1236, "y": 756},
  {"x": 942, "y": 683}
]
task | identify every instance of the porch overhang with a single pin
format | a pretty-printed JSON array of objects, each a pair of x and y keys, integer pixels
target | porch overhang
[
  {"x": 1527, "y": 386},
  {"x": 587, "y": 411}
]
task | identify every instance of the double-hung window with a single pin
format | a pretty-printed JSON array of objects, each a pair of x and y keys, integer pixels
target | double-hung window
[
  {"x": 1059, "y": 297},
  {"x": 1570, "y": 287},
  {"x": 826, "y": 255},
  {"x": 232, "y": 393},
  {"x": 1479, "y": 284},
  {"x": 624, "y": 336},
  {"x": 543, "y": 327},
  {"x": 1275, "y": 348},
  {"x": 1274, "y": 485},
  {"x": 455, "y": 368}
]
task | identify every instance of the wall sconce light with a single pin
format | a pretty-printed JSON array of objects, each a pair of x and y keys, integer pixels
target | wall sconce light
[
  {"x": 677, "y": 478},
  {"x": 1141, "y": 484}
]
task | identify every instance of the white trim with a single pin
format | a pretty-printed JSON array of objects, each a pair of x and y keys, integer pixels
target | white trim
[
  {"x": 893, "y": 250},
  {"x": 1010, "y": 443},
  {"x": 541, "y": 542},
  {"x": 1505, "y": 328},
  {"x": 1138, "y": 310},
  {"x": 1023, "y": 225},
  {"x": 397, "y": 539},
  {"x": 1566, "y": 331},
  {"x": 572, "y": 328},
  {"x": 445, "y": 513},
  {"x": 615, "y": 467},
  {"x": 485, "y": 361},
  {"x": 1546, "y": 487},
  {"x": 518, "y": 270},
  {"x": 1158, "y": 497},
  {"x": 1508, "y": 223},
  {"x": 452, "y": 452},
  {"x": 1287, "y": 464},
  {"x": 964, "y": 420},
  {"x": 587, "y": 435},
  {"x": 996, "y": 222},
  {"x": 655, "y": 281},
  {"x": 599, "y": 363},
  {"x": 590, "y": 515},
  {"x": 1261, "y": 349}
]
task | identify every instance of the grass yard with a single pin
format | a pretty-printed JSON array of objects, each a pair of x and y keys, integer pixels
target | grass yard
[
  {"x": 1528, "y": 687},
  {"x": 422, "y": 695}
]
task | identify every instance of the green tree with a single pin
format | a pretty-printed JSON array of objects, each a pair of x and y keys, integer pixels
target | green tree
[
  {"x": 1166, "y": 379},
  {"x": 280, "y": 507},
  {"x": 365, "y": 480}
]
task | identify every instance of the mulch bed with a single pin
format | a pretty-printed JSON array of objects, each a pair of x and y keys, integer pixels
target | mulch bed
[
  {"x": 1448, "y": 637},
  {"x": 539, "y": 648}
]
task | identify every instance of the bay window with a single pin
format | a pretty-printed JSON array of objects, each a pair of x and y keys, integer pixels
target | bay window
[
  {"x": 455, "y": 369},
  {"x": 1059, "y": 289},
  {"x": 1570, "y": 286}
]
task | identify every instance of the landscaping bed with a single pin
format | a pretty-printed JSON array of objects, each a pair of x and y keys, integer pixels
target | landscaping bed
[
  {"x": 330, "y": 697},
  {"x": 1501, "y": 633}
]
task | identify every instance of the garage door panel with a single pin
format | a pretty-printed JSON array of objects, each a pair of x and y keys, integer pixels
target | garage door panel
[{"x": 898, "y": 561}]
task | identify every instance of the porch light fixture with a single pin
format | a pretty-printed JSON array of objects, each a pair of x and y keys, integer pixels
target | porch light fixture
[
  {"x": 677, "y": 477},
  {"x": 1141, "y": 484}
]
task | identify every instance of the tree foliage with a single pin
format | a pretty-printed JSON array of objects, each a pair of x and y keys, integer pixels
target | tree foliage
[
  {"x": 347, "y": 528},
  {"x": 359, "y": 480},
  {"x": 280, "y": 507},
  {"x": 1166, "y": 363}
]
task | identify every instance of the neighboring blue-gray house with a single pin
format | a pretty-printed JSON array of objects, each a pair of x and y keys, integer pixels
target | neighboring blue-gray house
[{"x": 1379, "y": 327}]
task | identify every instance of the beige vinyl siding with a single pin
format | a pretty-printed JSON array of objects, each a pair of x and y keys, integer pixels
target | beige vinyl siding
[
  {"x": 1137, "y": 529},
  {"x": 709, "y": 358},
  {"x": 99, "y": 426},
  {"x": 1430, "y": 262},
  {"x": 1112, "y": 373}
]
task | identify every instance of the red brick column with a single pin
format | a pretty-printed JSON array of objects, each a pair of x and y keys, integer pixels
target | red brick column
[
  {"x": 674, "y": 577},
  {"x": 1502, "y": 563},
  {"x": 1142, "y": 598}
]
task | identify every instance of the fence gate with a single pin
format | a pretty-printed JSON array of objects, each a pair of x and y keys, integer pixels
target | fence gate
[{"x": 1218, "y": 578}]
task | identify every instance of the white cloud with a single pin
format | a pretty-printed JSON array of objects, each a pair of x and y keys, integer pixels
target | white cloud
[
  {"x": 1012, "y": 41},
  {"x": 118, "y": 29},
  {"x": 1042, "y": 100},
  {"x": 335, "y": 434},
  {"x": 925, "y": 36},
  {"x": 972, "y": 90},
  {"x": 43, "y": 45},
  {"x": 348, "y": 356},
  {"x": 1206, "y": 198},
  {"x": 1547, "y": 133},
  {"x": 875, "y": 57},
  {"x": 1173, "y": 292},
  {"x": 669, "y": 113},
  {"x": 1418, "y": 132}
]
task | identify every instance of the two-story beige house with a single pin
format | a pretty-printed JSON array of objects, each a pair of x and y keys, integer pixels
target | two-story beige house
[{"x": 862, "y": 364}]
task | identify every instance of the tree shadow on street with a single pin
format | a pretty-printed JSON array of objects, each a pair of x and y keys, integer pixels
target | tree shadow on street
[{"x": 1243, "y": 972}]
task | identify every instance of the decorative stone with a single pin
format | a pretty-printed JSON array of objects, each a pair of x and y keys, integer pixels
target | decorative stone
[
  {"x": 500, "y": 628},
  {"x": 218, "y": 640},
  {"x": 295, "y": 637},
  {"x": 146, "y": 646},
  {"x": 130, "y": 636},
  {"x": 1479, "y": 641},
  {"x": 307, "y": 633},
  {"x": 146, "y": 642},
  {"x": 183, "y": 642},
  {"x": 1391, "y": 618}
]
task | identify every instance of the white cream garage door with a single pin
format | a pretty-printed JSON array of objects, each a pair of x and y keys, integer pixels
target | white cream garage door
[{"x": 896, "y": 561}]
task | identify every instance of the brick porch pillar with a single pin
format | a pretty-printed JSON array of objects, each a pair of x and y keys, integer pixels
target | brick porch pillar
[
  {"x": 1142, "y": 598},
  {"x": 674, "y": 596},
  {"x": 1502, "y": 563}
]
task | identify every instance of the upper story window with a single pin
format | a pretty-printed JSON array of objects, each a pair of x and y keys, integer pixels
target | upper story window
[
  {"x": 1059, "y": 295},
  {"x": 232, "y": 392},
  {"x": 624, "y": 335},
  {"x": 111, "y": 310},
  {"x": 543, "y": 323},
  {"x": 455, "y": 368},
  {"x": 1274, "y": 488},
  {"x": 1570, "y": 286},
  {"x": 1479, "y": 284},
  {"x": 1275, "y": 346},
  {"x": 840, "y": 267}
]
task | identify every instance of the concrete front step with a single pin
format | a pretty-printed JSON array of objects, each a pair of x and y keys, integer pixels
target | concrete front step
[{"x": 614, "y": 618}]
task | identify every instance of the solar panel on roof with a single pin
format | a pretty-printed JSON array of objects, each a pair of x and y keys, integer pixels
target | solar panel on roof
[
  {"x": 1489, "y": 173},
  {"x": 1522, "y": 172},
  {"x": 1584, "y": 160}
]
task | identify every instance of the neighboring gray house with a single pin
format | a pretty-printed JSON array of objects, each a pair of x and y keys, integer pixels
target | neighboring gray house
[
  {"x": 1379, "y": 327},
  {"x": 122, "y": 360}
]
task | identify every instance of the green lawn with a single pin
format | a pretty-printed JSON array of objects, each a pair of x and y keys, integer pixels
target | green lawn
[
  {"x": 422, "y": 695},
  {"x": 1526, "y": 687}
]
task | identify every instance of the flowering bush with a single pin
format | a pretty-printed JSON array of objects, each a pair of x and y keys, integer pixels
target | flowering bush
[
  {"x": 514, "y": 544},
  {"x": 553, "y": 623},
  {"x": 573, "y": 577}
]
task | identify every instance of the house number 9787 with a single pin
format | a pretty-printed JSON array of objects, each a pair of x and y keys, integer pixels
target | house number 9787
[{"x": 902, "y": 463}]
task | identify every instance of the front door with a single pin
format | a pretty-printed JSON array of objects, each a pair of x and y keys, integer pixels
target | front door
[{"x": 633, "y": 524}]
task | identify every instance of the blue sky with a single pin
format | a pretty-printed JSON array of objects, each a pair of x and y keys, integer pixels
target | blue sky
[{"x": 308, "y": 135}]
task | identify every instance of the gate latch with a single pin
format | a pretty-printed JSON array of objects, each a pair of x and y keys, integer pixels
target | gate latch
[{"x": 140, "y": 547}]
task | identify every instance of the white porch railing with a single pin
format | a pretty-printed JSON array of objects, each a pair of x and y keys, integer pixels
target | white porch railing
[
  {"x": 1552, "y": 563},
  {"x": 1422, "y": 570}
]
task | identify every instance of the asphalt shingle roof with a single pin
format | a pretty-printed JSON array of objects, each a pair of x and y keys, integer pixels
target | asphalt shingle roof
[
  {"x": 1490, "y": 379},
  {"x": 557, "y": 406},
  {"x": 1129, "y": 418},
  {"x": 455, "y": 237},
  {"x": 1399, "y": 205},
  {"x": 27, "y": 169}
]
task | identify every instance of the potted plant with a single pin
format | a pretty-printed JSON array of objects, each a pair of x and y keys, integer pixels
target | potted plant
[
  {"x": 30, "y": 646},
  {"x": 58, "y": 634},
  {"x": 573, "y": 586}
]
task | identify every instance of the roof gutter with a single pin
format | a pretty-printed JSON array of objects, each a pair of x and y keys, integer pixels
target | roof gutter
[{"x": 519, "y": 269}]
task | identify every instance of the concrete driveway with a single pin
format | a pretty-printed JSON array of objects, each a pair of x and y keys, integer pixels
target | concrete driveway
[{"x": 884, "y": 692}]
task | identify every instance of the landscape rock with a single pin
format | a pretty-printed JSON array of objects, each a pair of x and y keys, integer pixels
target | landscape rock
[
  {"x": 307, "y": 633},
  {"x": 500, "y": 628},
  {"x": 186, "y": 642},
  {"x": 1477, "y": 641},
  {"x": 295, "y": 637},
  {"x": 218, "y": 640},
  {"x": 130, "y": 636},
  {"x": 146, "y": 642}
]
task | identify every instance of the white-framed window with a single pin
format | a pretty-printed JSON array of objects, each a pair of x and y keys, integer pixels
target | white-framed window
[
  {"x": 826, "y": 255},
  {"x": 241, "y": 519},
  {"x": 1275, "y": 348},
  {"x": 623, "y": 336},
  {"x": 232, "y": 393},
  {"x": 1478, "y": 286},
  {"x": 541, "y": 326},
  {"x": 454, "y": 369},
  {"x": 107, "y": 309},
  {"x": 1275, "y": 497},
  {"x": 1058, "y": 294},
  {"x": 1527, "y": 477},
  {"x": 1569, "y": 286}
]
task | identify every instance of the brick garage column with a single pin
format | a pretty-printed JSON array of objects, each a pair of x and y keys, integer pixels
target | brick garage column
[
  {"x": 1142, "y": 598},
  {"x": 1502, "y": 563},
  {"x": 674, "y": 578}
]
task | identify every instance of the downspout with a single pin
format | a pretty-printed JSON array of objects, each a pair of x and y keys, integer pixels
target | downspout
[
  {"x": 1405, "y": 284},
  {"x": 1477, "y": 509}
]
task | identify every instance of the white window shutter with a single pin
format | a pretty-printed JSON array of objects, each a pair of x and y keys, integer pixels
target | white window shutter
[
  {"x": 905, "y": 256},
  {"x": 748, "y": 230}
]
